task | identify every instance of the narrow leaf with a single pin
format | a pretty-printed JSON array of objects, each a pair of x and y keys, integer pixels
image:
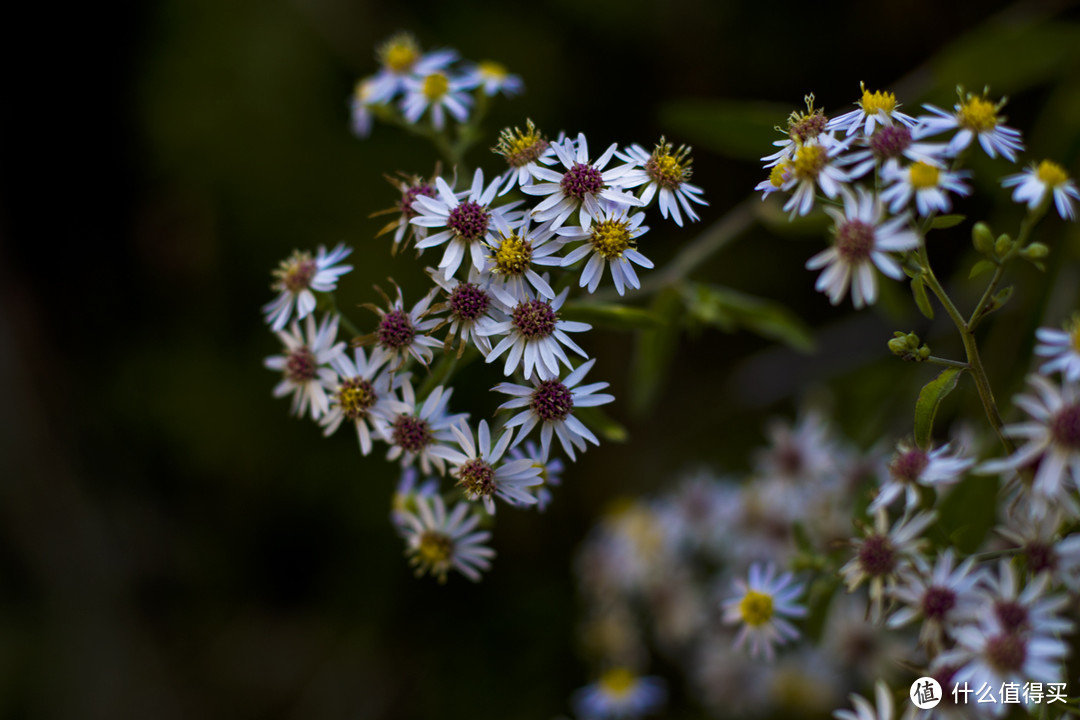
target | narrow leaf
[
  {"x": 946, "y": 221},
  {"x": 980, "y": 267},
  {"x": 930, "y": 398},
  {"x": 918, "y": 289}
]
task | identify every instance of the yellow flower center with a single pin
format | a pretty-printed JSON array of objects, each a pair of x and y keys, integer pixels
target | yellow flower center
[
  {"x": 923, "y": 176},
  {"x": 491, "y": 69},
  {"x": 1051, "y": 174},
  {"x": 521, "y": 148},
  {"x": 809, "y": 161},
  {"x": 1074, "y": 333},
  {"x": 400, "y": 53},
  {"x": 756, "y": 608},
  {"x": 434, "y": 549},
  {"x": 978, "y": 114},
  {"x": 778, "y": 174},
  {"x": 513, "y": 255},
  {"x": 435, "y": 86},
  {"x": 611, "y": 238},
  {"x": 666, "y": 168},
  {"x": 878, "y": 100},
  {"x": 617, "y": 681}
]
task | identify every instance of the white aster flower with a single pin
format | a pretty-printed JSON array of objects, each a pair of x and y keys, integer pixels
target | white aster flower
[
  {"x": 403, "y": 333},
  {"x": 468, "y": 221},
  {"x": 479, "y": 472},
  {"x": 814, "y": 165},
  {"x": 401, "y": 59},
  {"x": 470, "y": 310},
  {"x": 1026, "y": 610},
  {"x": 524, "y": 151},
  {"x": 438, "y": 92},
  {"x": 664, "y": 174},
  {"x": 535, "y": 336},
  {"x": 306, "y": 364},
  {"x": 761, "y": 608},
  {"x": 550, "y": 404},
  {"x": 513, "y": 254},
  {"x": 492, "y": 78},
  {"x": 802, "y": 127},
  {"x": 928, "y": 184},
  {"x": 1052, "y": 438},
  {"x": 875, "y": 108},
  {"x": 891, "y": 143},
  {"x": 410, "y": 186},
  {"x": 804, "y": 452},
  {"x": 862, "y": 243},
  {"x": 611, "y": 240},
  {"x": 973, "y": 117},
  {"x": 437, "y": 543},
  {"x": 299, "y": 278},
  {"x": 1062, "y": 347},
  {"x": 778, "y": 176},
  {"x": 882, "y": 553},
  {"x": 415, "y": 431},
  {"x": 580, "y": 187},
  {"x": 620, "y": 694},
  {"x": 943, "y": 598},
  {"x": 363, "y": 395},
  {"x": 865, "y": 711},
  {"x": 1035, "y": 184},
  {"x": 912, "y": 467}
]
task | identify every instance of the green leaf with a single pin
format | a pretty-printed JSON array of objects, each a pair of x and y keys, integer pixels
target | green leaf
[
  {"x": 980, "y": 267},
  {"x": 615, "y": 317},
  {"x": 605, "y": 426},
  {"x": 918, "y": 289},
  {"x": 729, "y": 310},
  {"x": 930, "y": 398},
  {"x": 737, "y": 129},
  {"x": 942, "y": 222},
  {"x": 653, "y": 349},
  {"x": 968, "y": 512}
]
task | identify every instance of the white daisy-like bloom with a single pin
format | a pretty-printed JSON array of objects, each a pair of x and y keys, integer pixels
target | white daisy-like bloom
[
  {"x": 550, "y": 404},
  {"x": 580, "y": 187},
  {"x": 803, "y": 452},
  {"x": 470, "y": 310},
  {"x": 298, "y": 279},
  {"x": 778, "y": 176},
  {"x": 417, "y": 430},
  {"x": 875, "y": 108},
  {"x": 863, "y": 241},
  {"x": 927, "y": 183},
  {"x": 513, "y": 254},
  {"x": 814, "y": 165},
  {"x": 883, "y": 552},
  {"x": 524, "y": 151},
  {"x": 802, "y": 127},
  {"x": 468, "y": 221},
  {"x": 479, "y": 472},
  {"x": 943, "y": 597},
  {"x": 306, "y": 364},
  {"x": 620, "y": 694},
  {"x": 912, "y": 467},
  {"x": 610, "y": 241},
  {"x": 492, "y": 78},
  {"x": 403, "y": 333},
  {"x": 438, "y": 92},
  {"x": 1036, "y": 183},
  {"x": 401, "y": 59},
  {"x": 535, "y": 336},
  {"x": 410, "y": 186},
  {"x": 1062, "y": 347},
  {"x": 761, "y": 609},
  {"x": 360, "y": 108},
  {"x": 865, "y": 711},
  {"x": 437, "y": 542},
  {"x": 1039, "y": 537},
  {"x": 973, "y": 117},
  {"x": 1052, "y": 437},
  {"x": 1027, "y": 610},
  {"x": 550, "y": 470},
  {"x": 890, "y": 143},
  {"x": 363, "y": 395},
  {"x": 664, "y": 174}
]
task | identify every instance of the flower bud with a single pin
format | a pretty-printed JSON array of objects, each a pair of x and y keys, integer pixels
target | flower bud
[
  {"x": 1035, "y": 251},
  {"x": 982, "y": 238}
]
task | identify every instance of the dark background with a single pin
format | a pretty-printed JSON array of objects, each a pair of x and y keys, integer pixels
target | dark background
[{"x": 172, "y": 543}]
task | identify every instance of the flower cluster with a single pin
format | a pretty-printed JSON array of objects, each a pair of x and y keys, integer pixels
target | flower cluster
[{"x": 495, "y": 261}]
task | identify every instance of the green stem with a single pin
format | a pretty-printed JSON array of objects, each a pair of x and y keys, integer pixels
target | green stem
[{"x": 948, "y": 363}]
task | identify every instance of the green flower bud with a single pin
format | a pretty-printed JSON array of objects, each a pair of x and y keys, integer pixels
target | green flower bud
[
  {"x": 1035, "y": 251},
  {"x": 982, "y": 238},
  {"x": 1003, "y": 245}
]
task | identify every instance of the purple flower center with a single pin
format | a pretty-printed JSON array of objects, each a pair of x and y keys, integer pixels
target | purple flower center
[
  {"x": 411, "y": 194},
  {"x": 1012, "y": 615},
  {"x": 1065, "y": 427},
  {"x": 877, "y": 556},
  {"x": 534, "y": 319},
  {"x": 937, "y": 601},
  {"x": 411, "y": 433},
  {"x": 468, "y": 302},
  {"x": 1006, "y": 653},
  {"x": 909, "y": 465},
  {"x": 890, "y": 141},
  {"x": 477, "y": 478},
  {"x": 396, "y": 330},
  {"x": 300, "y": 365},
  {"x": 581, "y": 180},
  {"x": 552, "y": 401},
  {"x": 356, "y": 396},
  {"x": 299, "y": 276},
  {"x": 1040, "y": 556},
  {"x": 469, "y": 221},
  {"x": 808, "y": 127},
  {"x": 854, "y": 241}
]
